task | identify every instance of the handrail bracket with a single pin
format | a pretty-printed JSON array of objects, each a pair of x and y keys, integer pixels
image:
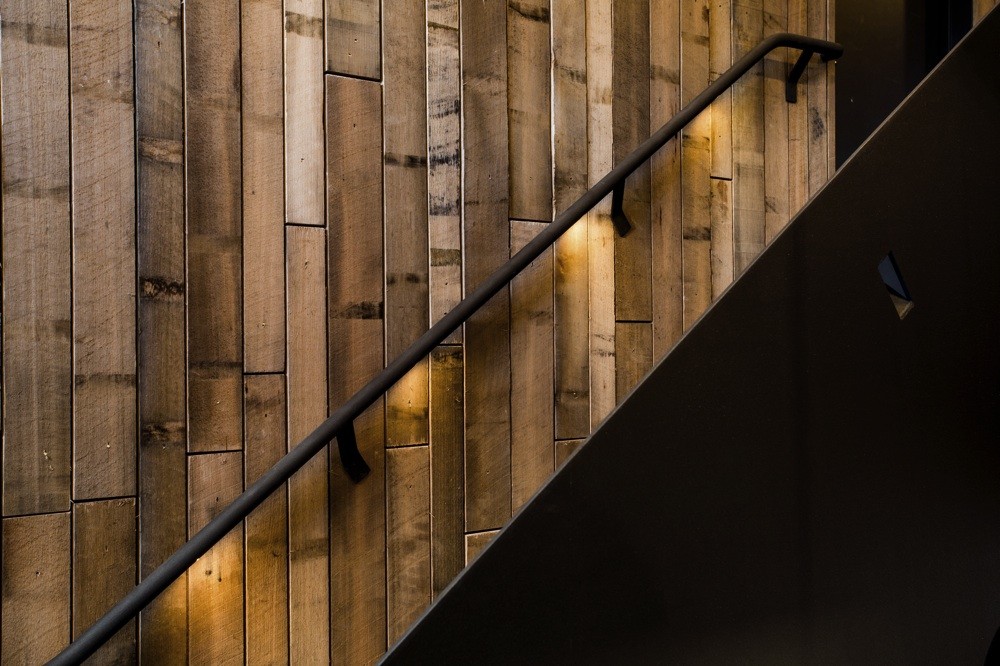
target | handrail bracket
[
  {"x": 350, "y": 457},
  {"x": 618, "y": 216},
  {"x": 792, "y": 82}
]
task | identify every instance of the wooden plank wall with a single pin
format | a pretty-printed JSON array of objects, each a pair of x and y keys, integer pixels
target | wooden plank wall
[{"x": 222, "y": 217}]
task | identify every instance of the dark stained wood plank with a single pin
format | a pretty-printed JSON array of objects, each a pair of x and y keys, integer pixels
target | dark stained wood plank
[
  {"x": 267, "y": 527},
  {"x": 776, "y": 121},
  {"x": 408, "y": 540},
  {"x": 37, "y": 357},
  {"x": 798, "y": 120},
  {"x": 532, "y": 368},
  {"x": 748, "y": 139},
  {"x": 263, "y": 114},
  {"x": 36, "y": 585},
  {"x": 447, "y": 466},
  {"x": 406, "y": 222},
  {"x": 565, "y": 448},
  {"x": 104, "y": 570},
  {"x": 475, "y": 543},
  {"x": 818, "y": 104},
  {"x": 634, "y": 344},
  {"x": 487, "y": 334},
  {"x": 214, "y": 241},
  {"x": 529, "y": 115},
  {"x": 353, "y": 38},
  {"x": 831, "y": 92},
  {"x": 355, "y": 307},
  {"x": 308, "y": 490},
  {"x": 720, "y": 57},
  {"x": 215, "y": 581}
]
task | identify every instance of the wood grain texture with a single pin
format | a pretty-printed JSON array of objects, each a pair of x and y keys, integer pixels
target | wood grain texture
[
  {"x": 722, "y": 235},
  {"x": 266, "y": 545},
  {"x": 980, "y": 8},
  {"x": 215, "y": 581},
  {"x": 37, "y": 356},
  {"x": 447, "y": 466},
  {"x": 566, "y": 448},
  {"x": 406, "y": 261},
  {"x": 353, "y": 38},
  {"x": 798, "y": 120},
  {"x": 162, "y": 367},
  {"x": 818, "y": 104},
  {"x": 262, "y": 62},
  {"x": 308, "y": 490},
  {"x": 532, "y": 369},
  {"x": 408, "y": 540},
  {"x": 529, "y": 109},
  {"x": 305, "y": 177},
  {"x": 633, "y": 341},
  {"x": 572, "y": 298},
  {"x": 475, "y": 543},
  {"x": 36, "y": 586},
  {"x": 355, "y": 310},
  {"x": 104, "y": 570},
  {"x": 487, "y": 334},
  {"x": 214, "y": 240},
  {"x": 776, "y": 122},
  {"x": 748, "y": 140},
  {"x": 720, "y": 58}
]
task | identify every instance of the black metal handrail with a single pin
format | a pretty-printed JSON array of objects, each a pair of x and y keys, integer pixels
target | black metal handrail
[{"x": 340, "y": 425}]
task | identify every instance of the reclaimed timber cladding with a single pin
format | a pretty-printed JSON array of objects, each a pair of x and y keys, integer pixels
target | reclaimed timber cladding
[{"x": 221, "y": 218}]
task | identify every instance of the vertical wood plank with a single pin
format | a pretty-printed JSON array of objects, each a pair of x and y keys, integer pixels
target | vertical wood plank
[
  {"x": 444, "y": 170},
  {"x": 487, "y": 334},
  {"x": 665, "y": 176},
  {"x": 798, "y": 120},
  {"x": 162, "y": 386},
  {"x": 720, "y": 57},
  {"x": 215, "y": 581},
  {"x": 572, "y": 300},
  {"x": 634, "y": 342},
  {"x": 214, "y": 249},
  {"x": 980, "y": 8},
  {"x": 36, "y": 584},
  {"x": 37, "y": 358},
  {"x": 819, "y": 148},
  {"x": 104, "y": 570},
  {"x": 532, "y": 368},
  {"x": 304, "y": 168},
  {"x": 263, "y": 185},
  {"x": 831, "y": 92},
  {"x": 565, "y": 448},
  {"x": 308, "y": 490},
  {"x": 357, "y": 516},
  {"x": 406, "y": 230},
  {"x": 722, "y": 235},
  {"x": 352, "y": 38},
  {"x": 476, "y": 543},
  {"x": 267, "y": 527},
  {"x": 748, "y": 139},
  {"x": 776, "y": 122},
  {"x": 447, "y": 460},
  {"x": 528, "y": 116},
  {"x": 408, "y": 540}
]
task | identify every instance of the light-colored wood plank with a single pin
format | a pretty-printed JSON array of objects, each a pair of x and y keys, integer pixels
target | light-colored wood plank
[
  {"x": 476, "y": 543},
  {"x": 162, "y": 368},
  {"x": 532, "y": 368},
  {"x": 104, "y": 563},
  {"x": 304, "y": 168},
  {"x": 572, "y": 298},
  {"x": 720, "y": 57},
  {"x": 263, "y": 114},
  {"x": 775, "y": 125},
  {"x": 215, "y": 581},
  {"x": 487, "y": 334},
  {"x": 267, "y": 527},
  {"x": 529, "y": 115},
  {"x": 798, "y": 120},
  {"x": 722, "y": 235},
  {"x": 36, "y": 586},
  {"x": 444, "y": 148},
  {"x": 406, "y": 230},
  {"x": 665, "y": 176},
  {"x": 980, "y": 8},
  {"x": 408, "y": 540},
  {"x": 565, "y": 448},
  {"x": 308, "y": 509},
  {"x": 634, "y": 342},
  {"x": 819, "y": 147},
  {"x": 352, "y": 38},
  {"x": 447, "y": 460},
  {"x": 214, "y": 243},
  {"x": 748, "y": 140},
  {"x": 355, "y": 307},
  {"x": 37, "y": 357}
]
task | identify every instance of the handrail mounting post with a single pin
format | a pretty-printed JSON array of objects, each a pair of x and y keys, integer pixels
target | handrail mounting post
[
  {"x": 618, "y": 216},
  {"x": 350, "y": 457},
  {"x": 792, "y": 82}
]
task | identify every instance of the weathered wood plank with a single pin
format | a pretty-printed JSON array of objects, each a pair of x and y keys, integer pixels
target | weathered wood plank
[
  {"x": 980, "y": 8},
  {"x": 476, "y": 543},
  {"x": 267, "y": 527},
  {"x": 532, "y": 368},
  {"x": 357, "y": 516},
  {"x": 408, "y": 542},
  {"x": 37, "y": 357},
  {"x": 215, "y": 581},
  {"x": 214, "y": 247},
  {"x": 816, "y": 85},
  {"x": 104, "y": 570},
  {"x": 565, "y": 448},
  {"x": 798, "y": 120},
  {"x": 36, "y": 584},
  {"x": 447, "y": 461},
  {"x": 722, "y": 235},
  {"x": 263, "y": 114},
  {"x": 308, "y": 490},
  {"x": 305, "y": 174},
  {"x": 529, "y": 114},
  {"x": 776, "y": 121},
  {"x": 720, "y": 57},
  {"x": 633, "y": 341},
  {"x": 162, "y": 367},
  {"x": 572, "y": 298},
  {"x": 487, "y": 334},
  {"x": 748, "y": 140},
  {"x": 406, "y": 230},
  {"x": 353, "y": 38}
]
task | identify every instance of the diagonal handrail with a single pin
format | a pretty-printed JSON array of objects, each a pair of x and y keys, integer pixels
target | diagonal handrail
[{"x": 340, "y": 424}]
